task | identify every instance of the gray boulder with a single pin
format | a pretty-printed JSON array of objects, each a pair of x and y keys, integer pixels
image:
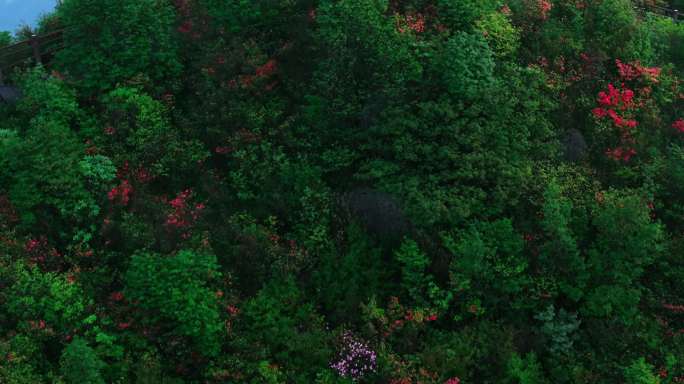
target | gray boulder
[
  {"x": 379, "y": 212},
  {"x": 9, "y": 95},
  {"x": 574, "y": 145}
]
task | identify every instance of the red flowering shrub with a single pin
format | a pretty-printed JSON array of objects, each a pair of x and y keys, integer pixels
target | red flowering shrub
[
  {"x": 142, "y": 175},
  {"x": 109, "y": 130},
  {"x": 635, "y": 70},
  {"x": 679, "y": 125},
  {"x": 674, "y": 308},
  {"x": 186, "y": 27},
  {"x": 183, "y": 214},
  {"x": 411, "y": 22},
  {"x": 544, "y": 7},
  {"x": 42, "y": 254},
  {"x": 123, "y": 325},
  {"x": 611, "y": 101},
  {"x": 116, "y": 296},
  {"x": 261, "y": 72},
  {"x": 223, "y": 150},
  {"x": 617, "y": 104},
  {"x": 267, "y": 69},
  {"x": 37, "y": 325},
  {"x": 121, "y": 193},
  {"x": 620, "y": 153}
]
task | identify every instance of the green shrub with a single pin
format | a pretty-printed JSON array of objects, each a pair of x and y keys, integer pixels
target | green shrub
[{"x": 80, "y": 364}]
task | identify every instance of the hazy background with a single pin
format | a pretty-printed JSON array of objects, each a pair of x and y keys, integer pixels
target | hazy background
[{"x": 14, "y": 13}]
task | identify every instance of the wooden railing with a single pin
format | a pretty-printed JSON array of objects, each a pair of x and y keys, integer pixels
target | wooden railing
[
  {"x": 647, "y": 6},
  {"x": 34, "y": 49},
  {"x": 37, "y": 47}
]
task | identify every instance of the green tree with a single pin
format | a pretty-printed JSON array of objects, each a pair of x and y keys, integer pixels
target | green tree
[
  {"x": 463, "y": 14},
  {"x": 612, "y": 26},
  {"x": 640, "y": 372},
  {"x": 281, "y": 326},
  {"x": 559, "y": 328},
  {"x": 110, "y": 42},
  {"x": 525, "y": 370},
  {"x": 502, "y": 37},
  {"x": 141, "y": 133},
  {"x": 175, "y": 293},
  {"x": 560, "y": 254},
  {"x": 42, "y": 158},
  {"x": 345, "y": 278},
  {"x": 414, "y": 263},
  {"x": 5, "y": 38},
  {"x": 46, "y": 185},
  {"x": 80, "y": 364},
  {"x": 627, "y": 242},
  {"x": 35, "y": 296},
  {"x": 488, "y": 264}
]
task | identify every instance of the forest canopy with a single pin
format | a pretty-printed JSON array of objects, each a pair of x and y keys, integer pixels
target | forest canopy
[{"x": 345, "y": 191}]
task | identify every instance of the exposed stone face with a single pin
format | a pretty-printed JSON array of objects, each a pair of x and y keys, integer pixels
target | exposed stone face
[
  {"x": 9, "y": 94},
  {"x": 574, "y": 145},
  {"x": 379, "y": 212}
]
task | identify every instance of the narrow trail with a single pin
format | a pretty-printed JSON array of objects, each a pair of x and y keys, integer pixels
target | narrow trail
[
  {"x": 675, "y": 14},
  {"x": 38, "y": 47},
  {"x": 35, "y": 49}
]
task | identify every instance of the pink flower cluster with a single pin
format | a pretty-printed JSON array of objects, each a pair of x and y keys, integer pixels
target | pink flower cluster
[
  {"x": 143, "y": 175},
  {"x": 121, "y": 193},
  {"x": 453, "y": 380},
  {"x": 266, "y": 70},
  {"x": 37, "y": 325},
  {"x": 40, "y": 252},
  {"x": 544, "y": 7},
  {"x": 116, "y": 296},
  {"x": 613, "y": 99},
  {"x": 679, "y": 125},
  {"x": 223, "y": 150},
  {"x": 355, "y": 359},
  {"x": 674, "y": 308},
  {"x": 183, "y": 214},
  {"x": 109, "y": 130},
  {"x": 635, "y": 70},
  {"x": 620, "y": 153}
]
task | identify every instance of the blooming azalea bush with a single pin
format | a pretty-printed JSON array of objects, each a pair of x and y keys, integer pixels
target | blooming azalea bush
[
  {"x": 621, "y": 104},
  {"x": 678, "y": 125},
  {"x": 623, "y": 100},
  {"x": 183, "y": 215},
  {"x": 355, "y": 359}
]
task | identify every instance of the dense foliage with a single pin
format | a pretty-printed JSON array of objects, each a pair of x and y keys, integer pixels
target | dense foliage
[{"x": 339, "y": 191}]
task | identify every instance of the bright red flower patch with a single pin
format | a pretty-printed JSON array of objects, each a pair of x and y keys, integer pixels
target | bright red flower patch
[
  {"x": 121, "y": 193},
  {"x": 678, "y": 125}
]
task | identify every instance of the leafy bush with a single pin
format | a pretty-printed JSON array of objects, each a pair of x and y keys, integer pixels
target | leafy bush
[
  {"x": 177, "y": 290},
  {"x": 80, "y": 364},
  {"x": 137, "y": 39}
]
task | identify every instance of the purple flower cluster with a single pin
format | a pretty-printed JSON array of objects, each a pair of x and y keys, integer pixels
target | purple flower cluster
[{"x": 355, "y": 358}]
